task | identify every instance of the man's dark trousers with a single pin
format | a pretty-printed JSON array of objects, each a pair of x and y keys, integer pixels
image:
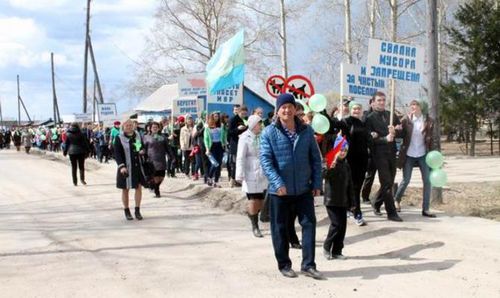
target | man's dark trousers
[
  {"x": 385, "y": 161},
  {"x": 279, "y": 213},
  {"x": 369, "y": 178}
]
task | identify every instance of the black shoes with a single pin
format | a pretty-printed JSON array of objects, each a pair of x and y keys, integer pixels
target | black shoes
[
  {"x": 376, "y": 211},
  {"x": 83, "y": 182},
  {"x": 137, "y": 214},
  {"x": 428, "y": 214},
  {"x": 312, "y": 272},
  {"x": 128, "y": 215},
  {"x": 395, "y": 218},
  {"x": 288, "y": 272}
]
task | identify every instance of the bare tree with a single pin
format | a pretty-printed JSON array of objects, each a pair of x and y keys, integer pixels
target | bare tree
[
  {"x": 347, "y": 26},
  {"x": 186, "y": 35},
  {"x": 373, "y": 10}
]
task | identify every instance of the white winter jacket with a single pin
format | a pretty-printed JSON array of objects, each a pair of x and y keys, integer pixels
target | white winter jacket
[{"x": 248, "y": 168}]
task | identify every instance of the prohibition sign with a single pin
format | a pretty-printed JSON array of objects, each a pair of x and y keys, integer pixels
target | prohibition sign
[
  {"x": 275, "y": 85},
  {"x": 297, "y": 85}
]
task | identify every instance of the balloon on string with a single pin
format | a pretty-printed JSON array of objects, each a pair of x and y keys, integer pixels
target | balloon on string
[
  {"x": 320, "y": 123},
  {"x": 438, "y": 178},
  {"x": 434, "y": 159},
  {"x": 306, "y": 107},
  {"x": 317, "y": 102}
]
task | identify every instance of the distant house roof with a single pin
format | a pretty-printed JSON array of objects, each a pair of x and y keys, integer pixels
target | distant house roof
[{"x": 160, "y": 100}]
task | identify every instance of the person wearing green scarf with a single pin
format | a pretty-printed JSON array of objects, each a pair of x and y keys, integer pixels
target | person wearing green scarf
[{"x": 128, "y": 148}]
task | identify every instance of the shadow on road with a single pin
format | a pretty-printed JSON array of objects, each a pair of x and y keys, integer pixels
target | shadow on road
[
  {"x": 377, "y": 271},
  {"x": 403, "y": 253},
  {"x": 103, "y": 249}
]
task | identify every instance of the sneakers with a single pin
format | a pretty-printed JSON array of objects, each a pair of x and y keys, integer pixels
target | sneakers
[
  {"x": 359, "y": 221},
  {"x": 327, "y": 255}
]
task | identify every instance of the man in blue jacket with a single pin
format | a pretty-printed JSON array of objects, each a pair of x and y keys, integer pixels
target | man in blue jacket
[{"x": 291, "y": 160}]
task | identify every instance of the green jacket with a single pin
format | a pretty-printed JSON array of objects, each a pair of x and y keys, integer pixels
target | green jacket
[
  {"x": 114, "y": 133},
  {"x": 207, "y": 138}
]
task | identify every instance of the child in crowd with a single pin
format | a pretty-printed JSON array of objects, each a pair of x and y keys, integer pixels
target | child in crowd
[{"x": 338, "y": 199}]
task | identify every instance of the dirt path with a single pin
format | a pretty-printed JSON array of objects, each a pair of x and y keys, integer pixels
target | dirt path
[{"x": 58, "y": 240}]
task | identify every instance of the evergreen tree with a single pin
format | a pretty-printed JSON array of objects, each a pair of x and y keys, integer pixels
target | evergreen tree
[{"x": 473, "y": 94}]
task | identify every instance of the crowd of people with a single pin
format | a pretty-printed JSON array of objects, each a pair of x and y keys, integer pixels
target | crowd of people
[{"x": 279, "y": 162}]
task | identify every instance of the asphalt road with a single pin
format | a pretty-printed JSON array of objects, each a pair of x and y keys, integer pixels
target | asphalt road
[{"x": 57, "y": 240}]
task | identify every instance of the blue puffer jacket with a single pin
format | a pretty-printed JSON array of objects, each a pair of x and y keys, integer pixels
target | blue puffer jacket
[{"x": 295, "y": 166}]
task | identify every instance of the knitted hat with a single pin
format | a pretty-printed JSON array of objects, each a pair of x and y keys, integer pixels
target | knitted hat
[
  {"x": 253, "y": 121},
  {"x": 340, "y": 139},
  {"x": 353, "y": 103},
  {"x": 284, "y": 98}
]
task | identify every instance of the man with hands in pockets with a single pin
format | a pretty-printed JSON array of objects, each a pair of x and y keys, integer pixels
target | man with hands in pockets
[{"x": 291, "y": 160}]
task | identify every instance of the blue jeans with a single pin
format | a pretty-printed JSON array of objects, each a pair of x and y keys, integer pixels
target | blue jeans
[
  {"x": 279, "y": 213},
  {"x": 217, "y": 151},
  {"x": 407, "y": 170}
]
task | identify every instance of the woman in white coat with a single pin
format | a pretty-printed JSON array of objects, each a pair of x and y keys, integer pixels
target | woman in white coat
[{"x": 249, "y": 172}]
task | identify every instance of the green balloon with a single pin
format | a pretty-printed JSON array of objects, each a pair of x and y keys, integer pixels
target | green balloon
[
  {"x": 434, "y": 159},
  {"x": 438, "y": 178},
  {"x": 320, "y": 124},
  {"x": 317, "y": 102}
]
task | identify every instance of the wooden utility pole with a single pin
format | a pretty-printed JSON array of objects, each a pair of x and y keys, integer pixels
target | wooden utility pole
[
  {"x": 96, "y": 75},
  {"x": 19, "y": 103},
  {"x": 87, "y": 32},
  {"x": 348, "y": 39},
  {"x": 284, "y": 62},
  {"x": 433, "y": 83},
  {"x": 94, "y": 101},
  {"x": 55, "y": 106}
]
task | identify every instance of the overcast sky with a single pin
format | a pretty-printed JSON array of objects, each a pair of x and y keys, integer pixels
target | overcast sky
[{"x": 30, "y": 30}]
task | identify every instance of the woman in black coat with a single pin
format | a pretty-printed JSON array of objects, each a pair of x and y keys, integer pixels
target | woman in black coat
[
  {"x": 157, "y": 148},
  {"x": 358, "y": 136},
  {"x": 78, "y": 147},
  {"x": 129, "y": 150}
]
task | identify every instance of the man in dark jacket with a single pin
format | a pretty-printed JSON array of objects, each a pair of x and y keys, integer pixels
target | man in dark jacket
[
  {"x": 291, "y": 161},
  {"x": 384, "y": 155},
  {"x": 338, "y": 199},
  {"x": 237, "y": 126},
  {"x": 78, "y": 148}
]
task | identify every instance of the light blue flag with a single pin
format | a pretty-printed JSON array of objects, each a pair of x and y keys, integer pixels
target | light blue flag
[{"x": 227, "y": 66}]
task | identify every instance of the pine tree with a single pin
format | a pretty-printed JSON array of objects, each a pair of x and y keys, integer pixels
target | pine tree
[{"x": 474, "y": 92}]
